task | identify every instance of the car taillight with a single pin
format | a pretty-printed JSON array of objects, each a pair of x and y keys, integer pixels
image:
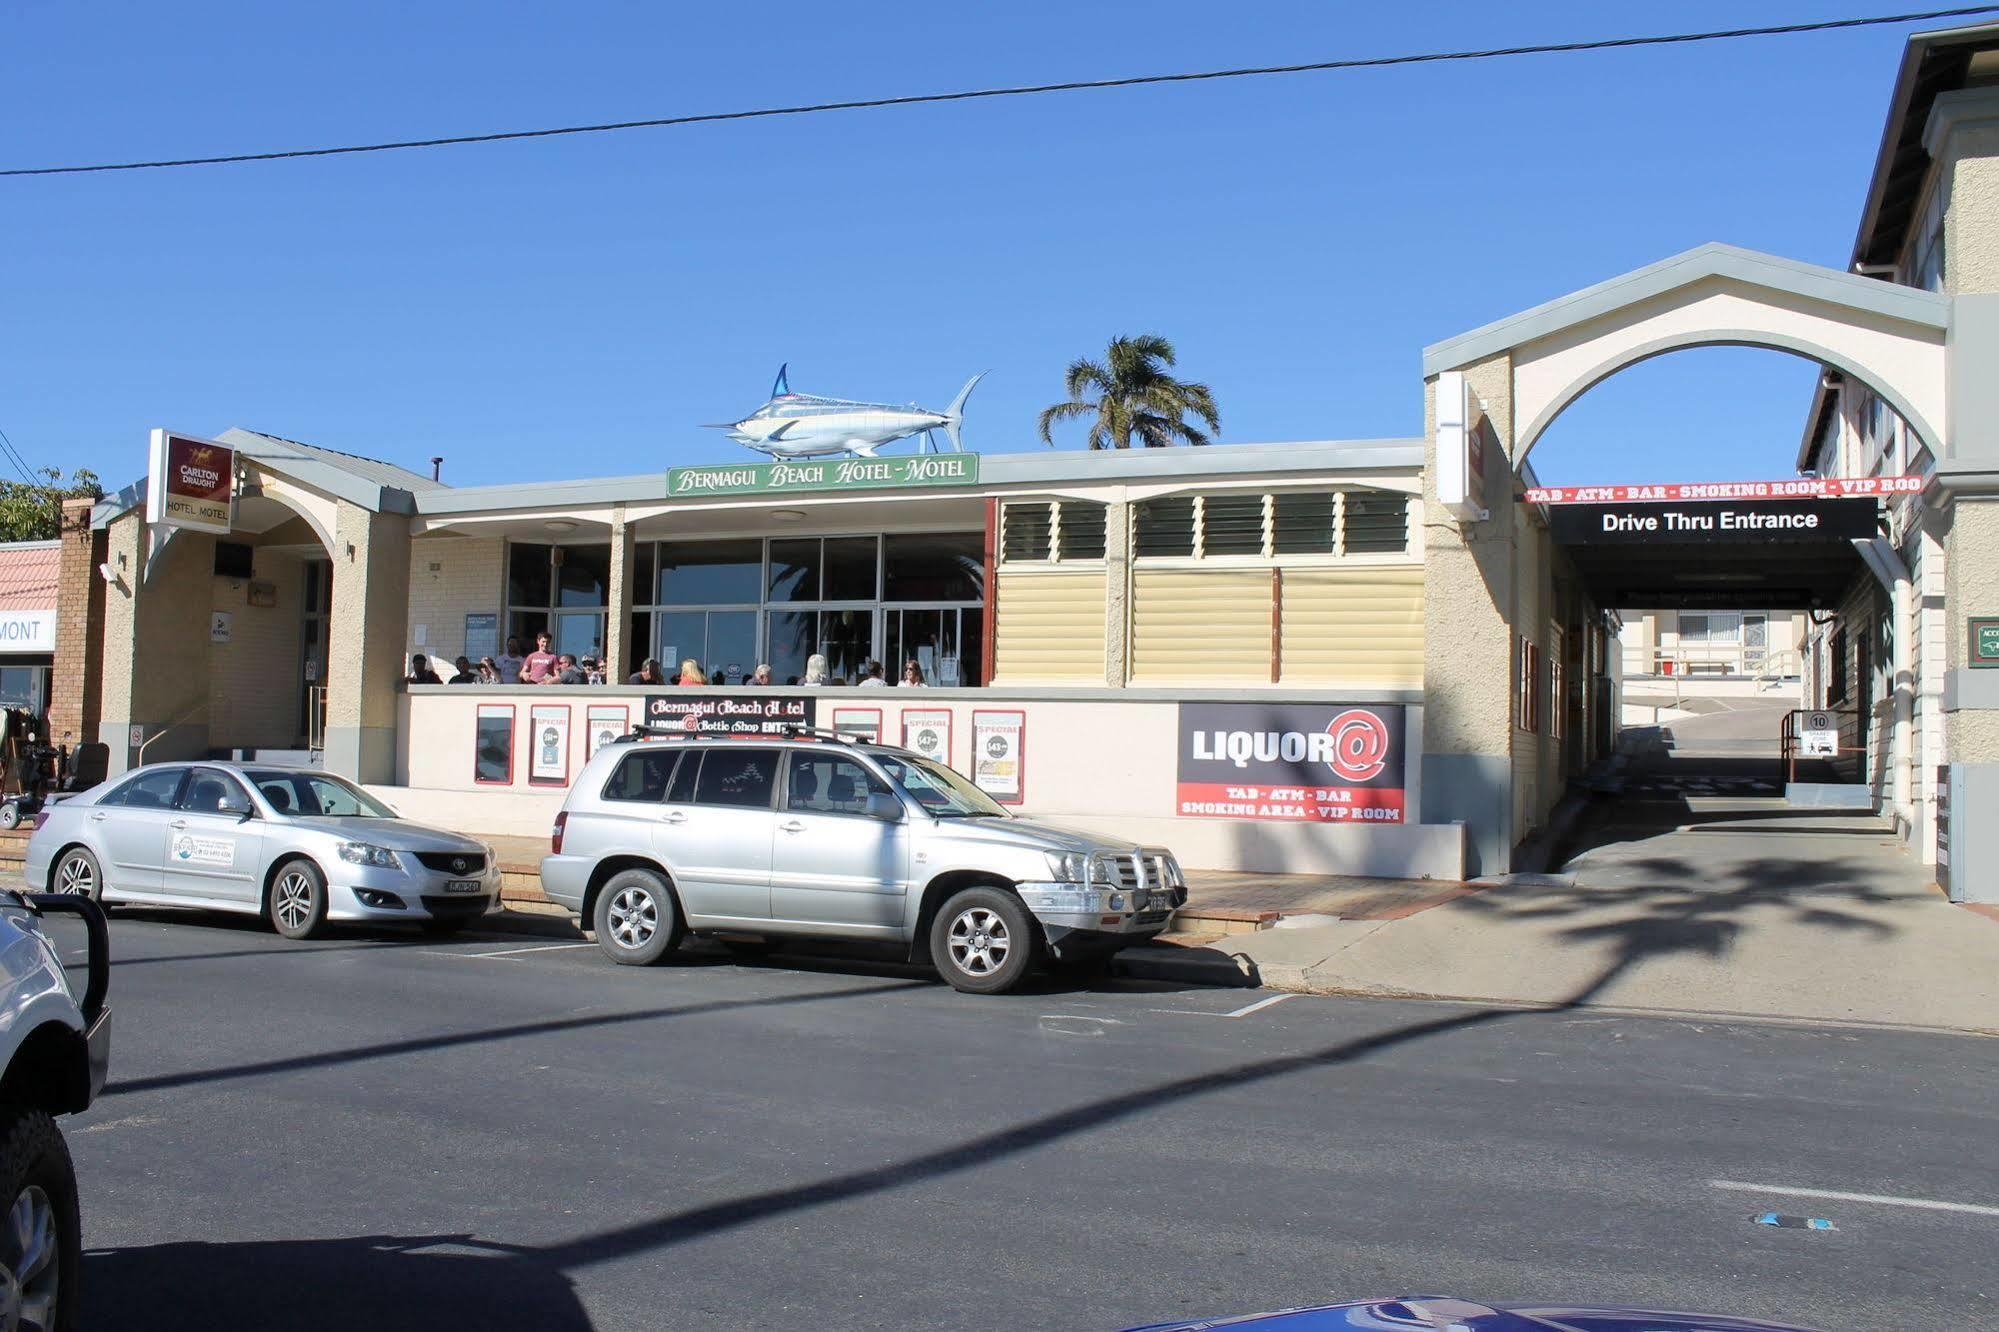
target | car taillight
[
  {"x": 555, "y": 838},
  {"x": 41, "y": 817}
]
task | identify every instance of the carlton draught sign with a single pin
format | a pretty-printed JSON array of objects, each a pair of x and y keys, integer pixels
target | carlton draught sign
[
  {"x": 1318, "y": 762},
  {"x": 188, "y": 483}
]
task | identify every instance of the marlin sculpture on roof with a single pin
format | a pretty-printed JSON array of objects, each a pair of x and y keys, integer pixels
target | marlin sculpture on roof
[{"x": 805, "y": 425}]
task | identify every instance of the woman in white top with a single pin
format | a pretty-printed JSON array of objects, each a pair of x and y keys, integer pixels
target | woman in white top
[
  {"x": 815, "y": 669},
  {"x": 912, "y": 675}
]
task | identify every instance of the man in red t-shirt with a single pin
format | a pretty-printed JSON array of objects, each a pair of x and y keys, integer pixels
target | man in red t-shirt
[{"x": 538, "y": 664}]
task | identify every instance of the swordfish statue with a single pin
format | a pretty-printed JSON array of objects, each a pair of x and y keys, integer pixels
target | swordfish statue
[{"x": 805, "y": 425}]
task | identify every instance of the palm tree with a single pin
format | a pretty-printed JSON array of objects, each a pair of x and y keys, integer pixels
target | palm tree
[{"x": 1133, "y": 398}]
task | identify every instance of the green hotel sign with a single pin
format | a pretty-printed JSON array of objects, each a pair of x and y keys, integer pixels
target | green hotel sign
[
  {"x": 783, "y": 478},
  {"x": 1984, "y": 640}
]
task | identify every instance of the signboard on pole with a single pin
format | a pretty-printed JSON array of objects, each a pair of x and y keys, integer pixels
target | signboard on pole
[
  {"x": 190, "y": 482},
  {"x": 1796, "y": 487},
  {"x": 1818, "y": 735},
  {"x": 1316, "y": 762},
  {"x": 712, "y": 712},
  {"x": 1464, "y": 437}
]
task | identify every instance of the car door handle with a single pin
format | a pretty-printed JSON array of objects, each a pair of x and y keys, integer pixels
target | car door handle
[
  {"x": 673, "y": 816},
  {"x": 99, "y": 818},
  {"x": 793, "y": 826},
  {"x": 178, "y": 823}
]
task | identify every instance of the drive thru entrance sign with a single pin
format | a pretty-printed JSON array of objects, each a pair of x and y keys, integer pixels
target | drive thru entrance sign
[{"x": 1791, "y": 488}]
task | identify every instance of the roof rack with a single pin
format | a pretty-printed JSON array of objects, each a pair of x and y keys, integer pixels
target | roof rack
[{"x": 785, "y": 731}]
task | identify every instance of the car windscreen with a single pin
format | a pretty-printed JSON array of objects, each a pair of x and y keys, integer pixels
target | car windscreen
[
  {"x": 308, "y": 794},
  {"x": 938, "y": 789}
]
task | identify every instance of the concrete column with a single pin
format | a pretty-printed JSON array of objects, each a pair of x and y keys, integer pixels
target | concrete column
[
  {"x": 1117, "y": 594},
  {"x": 76, "y": 691},
  {"x": 617, "y": 651},
  {"x": 371, "y": 575},
  {"x": 155, "y": 650},
  {"x": 1468, "y": 641}
]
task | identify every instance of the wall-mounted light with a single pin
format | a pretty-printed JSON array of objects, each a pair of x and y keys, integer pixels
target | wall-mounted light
[
  {"x": 107, "y": 573},
  {"x": 786, "y": 515},
  {"x": 560, "y": 526}
]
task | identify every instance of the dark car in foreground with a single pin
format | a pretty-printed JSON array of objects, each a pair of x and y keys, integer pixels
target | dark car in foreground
[{"x": 1437, "y": 1313}]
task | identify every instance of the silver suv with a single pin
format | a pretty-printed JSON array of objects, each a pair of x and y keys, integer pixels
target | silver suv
[{"x": 810, "y": 834}]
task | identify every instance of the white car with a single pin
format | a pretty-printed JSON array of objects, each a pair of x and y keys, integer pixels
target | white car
[{"x": 296, "y": 845}]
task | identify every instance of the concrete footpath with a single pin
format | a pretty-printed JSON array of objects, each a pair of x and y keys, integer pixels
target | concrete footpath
[{"x": 1699, "y": 891}]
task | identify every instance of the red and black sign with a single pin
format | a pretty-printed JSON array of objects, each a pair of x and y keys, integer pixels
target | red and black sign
[
  {"x": 1318, "y": 762},
  {"x": 711, "y": 712}
]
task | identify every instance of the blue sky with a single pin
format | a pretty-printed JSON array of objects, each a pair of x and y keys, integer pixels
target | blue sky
[{"x": 577, "y": 306}]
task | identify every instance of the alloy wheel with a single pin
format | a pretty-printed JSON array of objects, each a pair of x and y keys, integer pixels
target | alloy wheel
[
  {"x": 634, "y": 917},
  {"x": 76, "y": 875},
  {"x": 30, "y": 1262},
  {"x": 293, "y": 899},
  {"x": 979, "y": 941}
]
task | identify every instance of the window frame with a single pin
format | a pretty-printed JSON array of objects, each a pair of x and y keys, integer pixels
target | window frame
[
  {"x": 673, "y": 757},
  {"x": 1338, "y": 556},
  {"x": 770, "y": 802},
  {"x": 113, "y": 798},
  {"x": 876, "y": 783},
  {"x": 1054, "y": 559}
]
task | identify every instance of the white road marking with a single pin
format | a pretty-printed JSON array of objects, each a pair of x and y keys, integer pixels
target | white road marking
[
  {"x": 1244, "y": 1011},
  {"x": 509, "y": 953},
  {"x": 1836, "y": 1195}
]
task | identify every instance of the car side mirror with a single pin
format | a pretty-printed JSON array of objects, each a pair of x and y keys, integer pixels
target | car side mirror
[
  {"x": 235, "y": 805},
  {"x": 883, "y": 806}
]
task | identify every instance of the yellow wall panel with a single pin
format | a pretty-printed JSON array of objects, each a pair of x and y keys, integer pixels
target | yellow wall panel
[
  {"x": 1362, "y": 624},
  {"x": 1201, "y": 625},
  {"x": 1050, "y": 628}
]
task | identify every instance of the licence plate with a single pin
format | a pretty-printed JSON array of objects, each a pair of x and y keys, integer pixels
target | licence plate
[{"x": 464, "y": 886}]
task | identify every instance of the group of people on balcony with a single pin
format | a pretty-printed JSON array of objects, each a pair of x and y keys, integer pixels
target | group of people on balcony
[{"x": 544, "y": 667}]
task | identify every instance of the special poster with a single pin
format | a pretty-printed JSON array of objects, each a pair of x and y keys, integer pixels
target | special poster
[
  {"x": 860, "y": 723},
  {"x": 928, "y": 732},
  {"x": 999, "y": 742},
  {"x": 548, "y": 731},
  {"x": 712, "y": 712},
  {"x": 603, "y": 723},
  {"x": 1318, "y": 762}
]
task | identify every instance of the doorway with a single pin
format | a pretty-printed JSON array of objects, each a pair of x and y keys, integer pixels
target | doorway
[{"x": 315, "y": 636}]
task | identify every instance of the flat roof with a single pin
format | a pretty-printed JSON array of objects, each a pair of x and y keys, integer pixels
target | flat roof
[{"x": 996, "y": 471}]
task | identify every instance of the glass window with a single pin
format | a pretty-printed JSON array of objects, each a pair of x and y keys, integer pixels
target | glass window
[
  {"x": 682, "y": 634},
  {"x": 524, "y": 625},
  {"x": 493, "y": 759},
  {"x": 848, "y": 640},
  {"x": 22, "y": 687},
  {"x": 731, "y": 647},
  {"x": 707, "y": 573},
  {"x": 309, "y": 794},
  {"x": 946, "y": 567},
  {"x": 1232, "y": 525},
  {"x": 643, "y": 565},
  {"x": 680, "y": 791},
  {"x": 737, "y": 777},
  {"x": 1081, "y": 535},
  {"x": 830, "y": 784},
  {"x": 1302, "y": 524},
  {"x": 1377, "y": 522},
  {"x": 642, "y": 776},
  {"x": 208, "y": 790},
  {"x": 527, "y": 573},
  {"x": 579, "y": 634},
  {"x": 153, "y": 788},
  {"x": 584, "y": 578},
  {"x": 1025, "y": 531},
  {"x": 1164, "y": 526},
  {"x": 791, "y": 637},
  {"x": 940, "y": 789},
  {"x": 794, "y": 570},
  {"x": 850, "y": 569}
]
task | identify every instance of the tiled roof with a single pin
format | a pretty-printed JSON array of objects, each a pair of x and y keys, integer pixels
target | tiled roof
[{"x": 28, "y": 575}]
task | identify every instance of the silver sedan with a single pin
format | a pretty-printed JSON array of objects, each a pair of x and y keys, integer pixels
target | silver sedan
[{"x": 296, "y": 845}]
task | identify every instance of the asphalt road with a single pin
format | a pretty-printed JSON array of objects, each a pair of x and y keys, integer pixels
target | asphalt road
[{"x": 386, "y": 1132}]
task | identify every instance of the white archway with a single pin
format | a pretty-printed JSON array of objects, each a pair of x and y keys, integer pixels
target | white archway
[{"x": 1888, "y": 337}]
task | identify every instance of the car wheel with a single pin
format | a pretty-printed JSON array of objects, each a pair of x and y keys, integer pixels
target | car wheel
[
  {"x": 10, "y": 815},
  {"x": 298, "y": 900},
  {"x": 41, "y": 1240},
  {"x": 79, "y": 873},
  {"x": 983, "y": 941},
  {"x": 637, "y": 922}
]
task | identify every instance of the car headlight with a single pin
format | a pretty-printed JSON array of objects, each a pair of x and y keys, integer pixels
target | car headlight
[
  {"x": 365, "y": 853},
  {"x": 1068, "y": 867}
]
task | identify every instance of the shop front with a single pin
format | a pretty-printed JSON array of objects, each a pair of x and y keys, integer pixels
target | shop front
[{"x": 27, "y": 625}]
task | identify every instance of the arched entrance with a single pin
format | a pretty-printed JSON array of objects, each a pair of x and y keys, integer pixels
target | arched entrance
[{"x": 1504, "y": 606}]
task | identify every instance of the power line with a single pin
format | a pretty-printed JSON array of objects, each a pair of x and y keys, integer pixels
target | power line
[
  {"x": 1027, "y": 90},
  {"x": 14, "y": 456}
]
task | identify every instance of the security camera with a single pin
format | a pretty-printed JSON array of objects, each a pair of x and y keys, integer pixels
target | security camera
[{"x": 107, "y": 573}]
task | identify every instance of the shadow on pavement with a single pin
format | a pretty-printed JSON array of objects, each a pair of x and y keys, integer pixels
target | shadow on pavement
[{"x": 375, "y": 1281}]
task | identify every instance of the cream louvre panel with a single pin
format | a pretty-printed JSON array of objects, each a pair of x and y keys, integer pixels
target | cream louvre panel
[
  {"x": 1201, "y": 625},
  {"x": 1362, "y": 625},
  {"x": 1050, "y": 627}
]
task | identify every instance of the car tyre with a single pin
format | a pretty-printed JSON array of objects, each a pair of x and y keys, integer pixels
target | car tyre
[
  {"x": 636, "y": 918},
  {"x": 983, "y": 941},
  {"x": 78, "y": 873},
  {"x": 41, "y": 1236},
  {"x": 297, "y": 907},
  {"x": 10, "y": 816}
]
